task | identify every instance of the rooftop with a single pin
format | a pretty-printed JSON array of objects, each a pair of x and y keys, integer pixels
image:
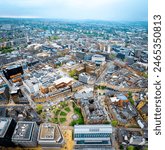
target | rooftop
[
  {"x": 4, "y": 124},
  {"x": 92, "y": 129},
  {"x": 49, "y": 132},
  {"x": 23, "y": 130}
]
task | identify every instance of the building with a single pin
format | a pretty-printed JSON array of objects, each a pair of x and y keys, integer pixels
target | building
[
  {"x": 31, "y": 85},
  {"x": 84, "y": 77},
  {"x": 92, "y": 136},
  {"x": 7, "y": 126},
  {"x": 98, "y": 59},
  {"x": 137, "y": 140},
  {"x": 62, "y": 82},
  {"x": 4, "y": 95},
  {"x": 12, "y": 71},
  {"x": 2, "y": 111},
  {"x": 25, "y": 134},
  {"x": 50, "y": 136}
]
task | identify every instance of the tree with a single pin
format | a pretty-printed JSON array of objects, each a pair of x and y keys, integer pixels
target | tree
[
  {"x": 72, "y": 73},
  {"x": 121, "y": 147},
  {"x": 130, "y": 148},
  {"x": 39, "y": 108},
  {"x": 114, "y": 123},
  {"x": 130, "y": 98}
]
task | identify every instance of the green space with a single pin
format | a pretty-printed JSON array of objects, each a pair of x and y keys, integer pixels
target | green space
[
  {"x": 101, "y": 87},
  {"x": 39, "y": 108},
  {"x": 114, "y": 123},
  {"x": 67, "y": 109},
  {"x": 53, "y": 38},
  {"x": 6, "y": 50},
  {"x": 62, "y": 120},
  {"x": 145, "y": 75},
  {"x": 130, "y": 98},
  {"x": 77, "y": 111},
  {"x": 63, "y": 114}
]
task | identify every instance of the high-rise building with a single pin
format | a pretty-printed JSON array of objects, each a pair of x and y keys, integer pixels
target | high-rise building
[
  {"x": 7, "y": 126},
  {"x": 25, "y": 134},
  {"x": 12, "y": 71},
  {"x": 92, "y": 137},
  {"x": 50, "y": 136}
]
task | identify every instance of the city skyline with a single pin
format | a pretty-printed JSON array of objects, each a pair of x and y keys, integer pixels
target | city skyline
[{"x": 109, "y": 10}]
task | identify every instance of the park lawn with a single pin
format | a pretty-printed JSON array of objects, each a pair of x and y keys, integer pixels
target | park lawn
[
  {"x": 63, "y": 114},
  {"x": 62, "y": 120},
  {"x": 67, "y": 109}
]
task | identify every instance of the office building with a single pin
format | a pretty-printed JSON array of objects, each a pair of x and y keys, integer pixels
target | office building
[
  {"x": 84, "y": 77},
  {"x": 98, "y": 59},
  {"x": 12, "y": 71},
  {"x": 7, "y": 126},
  {"x": 25, "y": 134},
  {"x": 92, "y": 136},
  {"x": 32, "y": 85},
  {"x": 50, "y": 136}
]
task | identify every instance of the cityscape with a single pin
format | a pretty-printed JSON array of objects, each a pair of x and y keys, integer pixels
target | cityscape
[{"x": 73, "y": 84}]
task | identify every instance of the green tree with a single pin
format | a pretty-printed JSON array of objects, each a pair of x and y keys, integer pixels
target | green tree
[
  {"x": 39, "y": 108},
  {"x": 130, "y": 148},
  {"x": 121, "y": 147},
  {"x": 114, "y": 123},
  {"x": 130, "y": 98},
  {"x": 72, "y": 73}
]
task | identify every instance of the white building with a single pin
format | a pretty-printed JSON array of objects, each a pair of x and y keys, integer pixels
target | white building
[{"x": 98, "y": 58}]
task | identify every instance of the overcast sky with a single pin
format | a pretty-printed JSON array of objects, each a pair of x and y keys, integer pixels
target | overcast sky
[{"x": 112, "y": 10}]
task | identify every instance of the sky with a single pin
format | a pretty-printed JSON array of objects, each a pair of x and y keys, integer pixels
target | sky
[{"x": 111, "y": 10}]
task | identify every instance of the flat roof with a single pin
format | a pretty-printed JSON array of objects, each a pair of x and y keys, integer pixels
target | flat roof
[
  {"x": 23, "y": 131},
  {"x": 63, "y": 80},
  {"x": 82, "y": 129},
  {"x": 4, "y": 124},
  {"x": 49, "y": 132}
]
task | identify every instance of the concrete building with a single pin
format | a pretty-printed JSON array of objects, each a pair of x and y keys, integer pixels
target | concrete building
[
  {"x": 7, "y": 126},
  {"x": 98, "y": 59},
  {"x": 25, "y": 134},
  {"x": 31, "y": 85},
  {"x": 50, "y": 136},
  {"x": 4, "y": 95},
  {"x": 92, "y": 136},
  {"x": 83, "y": 77},
  {"x": 137, "y": 140}
]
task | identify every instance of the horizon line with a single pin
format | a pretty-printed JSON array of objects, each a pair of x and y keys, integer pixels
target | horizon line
[{"x": 36, "y": 17}]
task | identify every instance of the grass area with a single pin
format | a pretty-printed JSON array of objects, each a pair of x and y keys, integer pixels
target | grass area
[
  {"x": 63, "y": 114},
  {"x": 67, "y": 109},
  {"x": 57, "y": 112},
  {"x": 62, "y": 120},
  {"x": 54, "y": 120},
  {"x": 77, "y": 111},
  {"x": 63, "y": 104}
]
